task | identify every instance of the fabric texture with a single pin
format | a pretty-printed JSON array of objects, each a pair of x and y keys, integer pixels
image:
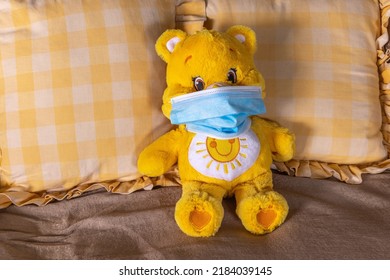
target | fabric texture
[
  {"x": 80, "y": 94},
  {"x": 190, "y": 15},
  {"x": 318, "y": 59},
  {"x": 328, "y": 219},
  {"x": 383, "y": 47}
]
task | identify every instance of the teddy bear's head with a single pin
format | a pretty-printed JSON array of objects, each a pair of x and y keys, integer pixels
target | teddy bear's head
[{"x": 207, "y": 59}]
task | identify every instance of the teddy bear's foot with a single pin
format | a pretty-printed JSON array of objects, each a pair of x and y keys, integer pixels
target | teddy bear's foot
[
  {"x": 199, "y": 214},
  {"x": 199, "y": 219},
  {"x": 263, "y": 212}
]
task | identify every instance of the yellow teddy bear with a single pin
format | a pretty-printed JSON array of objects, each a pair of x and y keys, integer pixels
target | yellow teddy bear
[{"x": 213, "y": 94}]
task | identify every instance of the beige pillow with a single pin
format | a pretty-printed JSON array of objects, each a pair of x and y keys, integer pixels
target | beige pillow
[
  {"x": 80, "y": 95},
  {"x": 319, "y": 63}
]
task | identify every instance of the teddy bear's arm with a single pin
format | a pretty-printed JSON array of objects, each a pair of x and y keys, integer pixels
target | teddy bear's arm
[
  {"x": 160, "y": 156},
  {"x": 280, "y": 139}
]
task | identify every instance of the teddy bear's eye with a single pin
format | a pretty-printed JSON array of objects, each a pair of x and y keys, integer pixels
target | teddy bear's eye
[
  {"x": 198, "y": 83},
  {"x": 232, "y": 75}
]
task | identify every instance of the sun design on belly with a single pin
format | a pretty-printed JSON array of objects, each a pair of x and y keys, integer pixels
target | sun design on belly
[
  {"x": 223, "y": 154},
  {"x": 224, "y": 159}
]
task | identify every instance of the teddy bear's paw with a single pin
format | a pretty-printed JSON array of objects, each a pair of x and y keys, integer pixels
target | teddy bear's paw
[
  {"x": 199, "y": 219},
  {"x": 263, "y": 212},
  {"x": 199, "y": 214},
  {"x": 266, "y": 217}
]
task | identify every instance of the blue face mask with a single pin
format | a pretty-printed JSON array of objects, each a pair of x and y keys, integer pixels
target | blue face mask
[{"x": 221, "y": 113}]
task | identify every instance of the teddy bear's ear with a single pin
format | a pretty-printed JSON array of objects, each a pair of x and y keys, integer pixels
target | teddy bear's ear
[
  {"x": 245, "y": 35},
  {"x": 167, "y": 42}
]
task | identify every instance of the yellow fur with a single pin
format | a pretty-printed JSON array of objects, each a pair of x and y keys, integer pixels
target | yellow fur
[{"x": 199, "y": 211}]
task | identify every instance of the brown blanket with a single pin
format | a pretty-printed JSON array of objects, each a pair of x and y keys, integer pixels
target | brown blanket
[{"x": 327, "y": 220}]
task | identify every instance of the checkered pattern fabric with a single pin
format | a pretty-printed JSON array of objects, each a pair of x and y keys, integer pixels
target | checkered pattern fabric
[
  {"x": 80, "y": 89},
  {"x": 319, "y": 63}
]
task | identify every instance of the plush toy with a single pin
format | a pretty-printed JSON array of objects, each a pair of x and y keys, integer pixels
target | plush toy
[{"x": 214, "y": 94}]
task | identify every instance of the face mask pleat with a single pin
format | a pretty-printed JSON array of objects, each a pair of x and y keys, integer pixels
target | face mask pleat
[{"x": 223, "y": 112}]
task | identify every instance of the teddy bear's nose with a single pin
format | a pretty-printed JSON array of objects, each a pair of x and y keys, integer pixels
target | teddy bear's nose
[{"x": 217, "y": 85}]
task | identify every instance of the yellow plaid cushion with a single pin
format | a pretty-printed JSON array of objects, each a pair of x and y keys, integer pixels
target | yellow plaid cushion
[
  {"x": 80, "y": 90},
  {"x": 319, "y": 63}
]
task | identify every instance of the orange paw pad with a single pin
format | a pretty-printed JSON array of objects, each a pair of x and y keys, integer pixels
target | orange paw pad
[
  {"x": 266, "y": 217},
  {"x": 199, "y": 219}
]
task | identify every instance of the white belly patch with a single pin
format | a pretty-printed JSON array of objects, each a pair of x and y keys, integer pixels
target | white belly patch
[{"x": 224, "y": 159}]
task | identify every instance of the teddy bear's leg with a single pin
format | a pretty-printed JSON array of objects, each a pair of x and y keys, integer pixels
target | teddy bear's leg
[
  {"x": 199, "y": 211},
  {"x": 260, "y": 208}
]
